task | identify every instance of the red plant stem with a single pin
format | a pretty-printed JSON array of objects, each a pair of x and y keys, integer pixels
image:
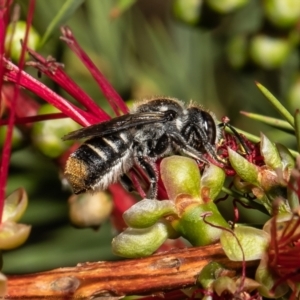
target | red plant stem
[
  {"x": 53, "y": 70},
  {"x": 7, "y": 145},
  {"x": 37, "y": 118},
  {"x": 114, "y": 99},
  {"x": 4, "y": 17},
  {"x": 80, "y": 116}
]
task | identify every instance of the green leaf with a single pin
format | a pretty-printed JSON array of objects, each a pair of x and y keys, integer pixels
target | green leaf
[
  {"x": 147, "y": 212},
  {"x": 192, "y": 227},
  {"x": 209, "y": 274},
  {"x": 246, "y": 170},
  {"x": 134, "y": 243},
  {"x": 252, "y": 241},
  {"x": 287, "y": 159},
  {"x": 297, "y": 127},
  {"x": 121, "y": 6},
  {"x": 270, "y": 153},
  {"x": 66, "y": 11},
  {"x": 213, "y": 178},
  {"x": 274, "y": 122},
  {"x": 251, "y": 137},
  {"x": 180, "y": 175},
  {"x": 276, "y": 103}
]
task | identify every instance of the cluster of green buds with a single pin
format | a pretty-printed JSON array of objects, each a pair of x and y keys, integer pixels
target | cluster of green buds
[
  {"x": 270, "y": 29},
  {"x": 151, "y": 222}
]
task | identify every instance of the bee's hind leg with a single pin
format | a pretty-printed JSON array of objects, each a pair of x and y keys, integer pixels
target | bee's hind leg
[{"x": 126, "y": 183}]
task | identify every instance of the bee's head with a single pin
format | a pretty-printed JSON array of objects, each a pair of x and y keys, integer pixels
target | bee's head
[{"x": 199, "y": 128}]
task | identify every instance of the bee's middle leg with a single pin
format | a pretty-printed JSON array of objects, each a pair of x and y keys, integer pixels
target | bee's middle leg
[{"x": 150, "y": 171}]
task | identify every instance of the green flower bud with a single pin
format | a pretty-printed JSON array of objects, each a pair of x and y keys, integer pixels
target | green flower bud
[
  {"x": 224, "y": 285},
  {"x": 47, "y": 135},
  {"x": 187, "y": 11},
  {"x": 226, "y": 6},
  {"x": 237, "y": 51},
  {"x": 294, "y": 95},
  {"x": 270, "y": 153},
  {"x": 241, "y": 185},
  {"x": 17, "y": 137},
  {"x": 90, "y": 210},
  {"x": 209, "y": 274},
  {"x": 13, "y": 235},
  {"x": 147, "y": 212},
  {"x": 212, "y": 179},
  {"x": 15, "y": 205},
  {"x": 246, "y": 170},
  {"x": 180, "y": 175},
  {"x": 15, "y": 33},
  {"x": 191, "y": 225},
  {"x": 252, "y": 243},
  {"x": 287, "y": 159},
  {"x": 282, "y": 13},
  {"x": 269, "y": 52},
  {"x": 134, "y": 243}
]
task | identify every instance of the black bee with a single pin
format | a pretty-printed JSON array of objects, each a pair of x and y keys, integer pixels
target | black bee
[{"x": 153, "y": 129}]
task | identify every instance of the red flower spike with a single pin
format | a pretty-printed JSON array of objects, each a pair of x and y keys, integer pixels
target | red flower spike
[
  {"x": 283, "y": 251},
  {"x": 114, "y": 99},
  {"x": 80, "y": 116},
  {"x": 53, "y": 70},
  {"x": 7, "y": 144},
  {"x": 25, "y": 106},
  {"x": 36, "y": 118}
]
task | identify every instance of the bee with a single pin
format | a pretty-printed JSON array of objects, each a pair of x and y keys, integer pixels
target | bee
[{"x": 153, "y": 129}]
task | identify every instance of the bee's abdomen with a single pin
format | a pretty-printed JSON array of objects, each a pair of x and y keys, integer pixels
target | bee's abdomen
[{"x": 98, "y": 162}]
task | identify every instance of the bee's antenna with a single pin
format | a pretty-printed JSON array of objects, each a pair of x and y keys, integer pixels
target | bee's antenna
[{"x": 225, "y": 123}]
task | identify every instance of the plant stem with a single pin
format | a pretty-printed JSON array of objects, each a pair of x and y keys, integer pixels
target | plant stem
[{"x": 165, "y": 271}]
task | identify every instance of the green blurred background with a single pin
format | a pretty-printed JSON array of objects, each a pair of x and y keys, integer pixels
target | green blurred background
[{"x": 207, "y": 56}]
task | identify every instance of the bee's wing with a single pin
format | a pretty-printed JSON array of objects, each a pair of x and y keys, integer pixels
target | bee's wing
[{"x": 118, "y": 124}]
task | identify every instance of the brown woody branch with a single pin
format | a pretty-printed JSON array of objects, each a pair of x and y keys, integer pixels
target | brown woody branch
[{"x": 161, "y": 272}]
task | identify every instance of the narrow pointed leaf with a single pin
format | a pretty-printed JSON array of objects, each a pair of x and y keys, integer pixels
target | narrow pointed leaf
[
  {"x": 66, "y": 11},
  {"x": 251, "y": 137},
  {"x": 276, "y": 103},
  {"x": 274, "y": 122},
  {"x": 297, "y": 128}
]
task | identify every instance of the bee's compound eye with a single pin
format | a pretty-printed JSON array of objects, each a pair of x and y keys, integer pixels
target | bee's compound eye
[
  {"x": 171, "y": 115},
  {"x": 209, "y": 125}
]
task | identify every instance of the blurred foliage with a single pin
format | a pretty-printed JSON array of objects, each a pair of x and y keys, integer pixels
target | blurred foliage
[{"x": 144, "y": 50}]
